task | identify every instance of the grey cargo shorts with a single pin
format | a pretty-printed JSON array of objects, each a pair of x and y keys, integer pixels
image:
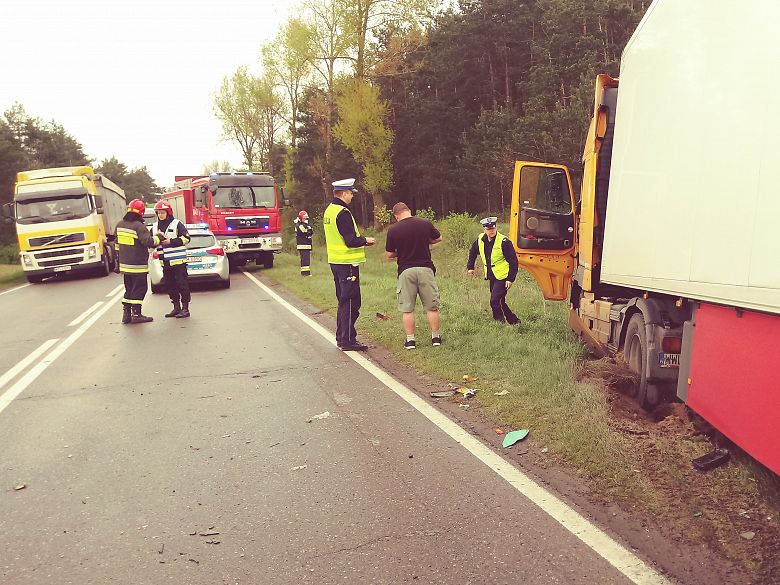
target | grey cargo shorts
[{"x": 417, "y": 281}]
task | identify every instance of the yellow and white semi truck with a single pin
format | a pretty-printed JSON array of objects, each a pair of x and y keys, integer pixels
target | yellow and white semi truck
[{"x": 65, "y": 220}]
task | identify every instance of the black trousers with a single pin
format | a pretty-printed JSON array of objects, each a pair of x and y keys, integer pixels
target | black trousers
[
  {"x": 347, "y": 280},
  {"x": 501, "y": 312},
  {"x": 305, "y": 261},
  {"x": 135, "y": 288},
  {"x": 176, "y": 281}
]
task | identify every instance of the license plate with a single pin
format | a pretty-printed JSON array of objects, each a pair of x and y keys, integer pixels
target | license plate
[
  {"x": 250, "y": 240},
  {"x": 62, "y": 268},
  {"x": 669, "y": 360},
  {"x": 195, "y": 259}
]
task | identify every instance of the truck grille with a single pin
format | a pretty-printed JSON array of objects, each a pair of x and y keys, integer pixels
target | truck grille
[
  {"x": 57, "y": 253},
  {"x": 59, "y": 262},
  {"x": 57, "y": 239},
  {"x": 245, "y": 223}
]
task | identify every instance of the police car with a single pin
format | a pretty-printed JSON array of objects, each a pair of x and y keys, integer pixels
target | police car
[{"x": 206, "y": 260}]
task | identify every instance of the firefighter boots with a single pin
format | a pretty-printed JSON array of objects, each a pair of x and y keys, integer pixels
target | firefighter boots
[
  {"x": 176, "y": 310},
  {"x": 185, "y": 311},
  {"x": 137, "y": 317},
  {"x": 125, "y": 313}
]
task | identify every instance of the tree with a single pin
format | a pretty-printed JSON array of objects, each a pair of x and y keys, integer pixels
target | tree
[
  {"x": 361, "y": 128},
  {"x": 137, "y": 183},
  {"x": 113, "y": 169},
  {"x": 235, "y": 108},
  {"x": 217, "y": 166}
]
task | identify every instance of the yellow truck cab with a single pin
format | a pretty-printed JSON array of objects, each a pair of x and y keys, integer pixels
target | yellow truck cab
[{"x": 65, "y": 219}]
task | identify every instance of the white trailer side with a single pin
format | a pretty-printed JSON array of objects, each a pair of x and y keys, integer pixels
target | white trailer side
[{"x": 693, "y": 204}]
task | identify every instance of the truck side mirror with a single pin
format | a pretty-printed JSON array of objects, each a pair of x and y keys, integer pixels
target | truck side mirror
[
  {"x": 8, "y": 212},
  {"x": 98, "y": 203}
]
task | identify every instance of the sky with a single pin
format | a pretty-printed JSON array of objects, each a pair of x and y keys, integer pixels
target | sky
[{"x": 134, "y": 78}]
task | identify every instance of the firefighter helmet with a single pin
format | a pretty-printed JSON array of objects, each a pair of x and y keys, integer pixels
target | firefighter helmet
[
  {"x": 163, "y": 206},
  {"x": 303, "y": 215},
  {"x": 137, "y": 206}
]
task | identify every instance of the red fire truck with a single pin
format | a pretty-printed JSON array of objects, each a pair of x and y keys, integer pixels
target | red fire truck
[{"x": 242, "y": 209}]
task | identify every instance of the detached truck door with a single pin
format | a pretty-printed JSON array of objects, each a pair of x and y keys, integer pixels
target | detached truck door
[{"x": 542, "y": 225}]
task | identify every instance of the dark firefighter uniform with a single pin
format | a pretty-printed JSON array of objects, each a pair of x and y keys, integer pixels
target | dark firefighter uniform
[
  {"x": 345, "y": 254},
  {"x": 174, "y": 259},
  {"x": 500, "y": 263},
  {"x": 303, "y": 238},
  {"x": 133, "y": 242}
]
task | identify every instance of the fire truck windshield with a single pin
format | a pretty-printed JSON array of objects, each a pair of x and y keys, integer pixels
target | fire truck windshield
[{"x": 244, "y": 197}]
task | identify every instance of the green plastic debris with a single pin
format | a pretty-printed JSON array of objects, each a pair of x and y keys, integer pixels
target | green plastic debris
[{"x": 513, "y": 437}]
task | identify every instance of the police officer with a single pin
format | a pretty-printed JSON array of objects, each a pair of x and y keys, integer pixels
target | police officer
[
  {"x": 174, "y": 238},
  {"x": 303, "y": 237},
  {"x": 133, "y": 241},
  {"x": 500, "y": 262},
  {"x": 346, "y": 251}
]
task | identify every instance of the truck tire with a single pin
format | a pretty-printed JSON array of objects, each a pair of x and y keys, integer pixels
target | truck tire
[
  {"x": 648, "y": 395},
  {"x": 105, "y": 267},
  {"x": 34, "y": 279},
  {"x": 268, "y": 261}
]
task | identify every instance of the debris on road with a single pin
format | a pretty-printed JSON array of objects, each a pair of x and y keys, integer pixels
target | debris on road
[
  {"x": 208, "y": 533},
  {"x": 748, "y": 535},
  {"x": 467, "y": 378},
  {"x": 499, "y": 431},
  {"x": 383, "y": 317},
  {"x": 21, "y": 486},
  {"x": 468, "y": 392},
  {"x": 298, "y": 468},
  {"x": 513, "y": 437},
  {"x": 443, "y": 394},
  {"x": 319, "y": 416},
  {"x": 502, "y": 393},
  {"x": 212, "y": 542},
  {"x": 464, "y": 406}
]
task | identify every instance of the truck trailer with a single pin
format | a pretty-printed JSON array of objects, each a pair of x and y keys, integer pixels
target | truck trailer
[
  {"x": 668, "y": 254},
  {"x": 65, "y": 220},
  {"x": 241, "y": 209}
]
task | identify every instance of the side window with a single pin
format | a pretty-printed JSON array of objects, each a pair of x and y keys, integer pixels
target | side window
[{"x": 545, "y": 189}]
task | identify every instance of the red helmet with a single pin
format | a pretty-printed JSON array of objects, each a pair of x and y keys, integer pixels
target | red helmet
[
  {"x": 303, "y": 215},
  {"x": 137, "y": 206},
  {"x": 164, "y": 206}
]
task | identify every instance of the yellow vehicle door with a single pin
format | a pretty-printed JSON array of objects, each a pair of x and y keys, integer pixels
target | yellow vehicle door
[{"x": 543, "y": 225}]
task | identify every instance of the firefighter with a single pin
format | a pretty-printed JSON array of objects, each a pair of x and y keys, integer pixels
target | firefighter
[
  {"x": 133, "y": 241},
  {"x": 174, "y": 238},
  {"x": 346, "y": 251},
  {"x": 500, "y": 270},
  {"x": 303, "y": 237}
]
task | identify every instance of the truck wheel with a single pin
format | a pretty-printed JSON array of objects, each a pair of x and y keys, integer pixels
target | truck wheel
[
  {"x": 105, "y": 268},
  {"x": 268, "y": 260},
  {"x": 648, "y": 395},
  {"x": 34, "y": 279},
  {"x": 234, "y": 265}
]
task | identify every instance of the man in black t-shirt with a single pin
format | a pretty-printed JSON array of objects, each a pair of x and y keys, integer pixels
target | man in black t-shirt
[{"x": 409, "y": 241}]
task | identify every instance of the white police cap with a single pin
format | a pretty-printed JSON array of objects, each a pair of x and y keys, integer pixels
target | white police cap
[
  {"x": 344, "y": 185},
  {"x": 489, "y": 222}
]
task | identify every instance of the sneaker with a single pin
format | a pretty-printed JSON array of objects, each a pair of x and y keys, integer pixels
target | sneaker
[
  {"x": 410, "y": 344},
  {"x": 354, "y": 346},
  {"x": 436, "y": 341}
]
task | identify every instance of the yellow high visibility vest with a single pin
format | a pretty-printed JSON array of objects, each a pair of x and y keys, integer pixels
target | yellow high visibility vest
[
  {"x": 338, "y": 251},
  {"x": 497, "y": 261}
]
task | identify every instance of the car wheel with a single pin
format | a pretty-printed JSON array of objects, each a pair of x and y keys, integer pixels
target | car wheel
[{"x": 225, "y": 283}]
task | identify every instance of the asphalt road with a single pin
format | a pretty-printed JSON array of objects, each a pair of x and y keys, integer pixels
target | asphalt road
[{"x": 189, "y": 451}]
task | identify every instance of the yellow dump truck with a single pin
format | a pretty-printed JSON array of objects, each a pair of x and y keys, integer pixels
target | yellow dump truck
[{"x": 65, "y": 220}]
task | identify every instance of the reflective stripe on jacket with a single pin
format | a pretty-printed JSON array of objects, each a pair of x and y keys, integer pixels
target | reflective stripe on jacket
[
  {"x": 338, "y": 251},
  {"x": 133, "y": 241},
  {"x": 498, "y": 264},
  {"x": 171, "y": 254}
]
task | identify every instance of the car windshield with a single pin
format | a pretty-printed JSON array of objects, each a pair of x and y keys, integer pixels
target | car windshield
[
  {"x": 244, "y": 197},
  {"x": 47, "y": 210},
  {"x": 201, "y": 241}
]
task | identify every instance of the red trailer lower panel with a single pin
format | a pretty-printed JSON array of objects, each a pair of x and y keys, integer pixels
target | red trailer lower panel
[{"x": 734, "y": 383}]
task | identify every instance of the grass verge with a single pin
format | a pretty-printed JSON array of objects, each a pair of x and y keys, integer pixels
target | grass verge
[
  {"x": 10, "y": 275},
  {"x": 562, "y": 396}
]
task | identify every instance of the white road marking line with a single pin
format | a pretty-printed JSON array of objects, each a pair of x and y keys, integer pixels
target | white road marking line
[
  {"x": 85, "y": 314},
  {"x": 13, "y": 372},
  {"x": 115, "y": 291},
  {"x": 38, "y": 368},
  {"x": 10, "y": 290},
  {"x": 600, "y": 542}
]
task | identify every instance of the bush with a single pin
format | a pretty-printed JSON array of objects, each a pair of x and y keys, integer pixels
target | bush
[
  {"x": 428, "y": 214},
  {"x": 9, "y": 254},
  {"x": 383, "y": 217},
  {"x": 460, "y": 230}
]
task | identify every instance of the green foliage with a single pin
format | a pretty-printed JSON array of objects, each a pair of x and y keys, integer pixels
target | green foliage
[
  {"x": 9, "y": 254},
  {"x": 137, "y": 184},
  {"x": 428, "y": 214},
  {"x": 459, "y": 230},
  {"x": 383, "y": 217}
]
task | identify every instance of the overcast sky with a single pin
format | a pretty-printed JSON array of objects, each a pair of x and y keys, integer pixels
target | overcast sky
[{"x": 133, "y": 78}]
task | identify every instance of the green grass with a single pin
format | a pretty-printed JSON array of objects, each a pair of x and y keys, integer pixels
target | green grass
[
  {"x": 536, "y": 362},
  {"x": 10, "y": 275}
]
